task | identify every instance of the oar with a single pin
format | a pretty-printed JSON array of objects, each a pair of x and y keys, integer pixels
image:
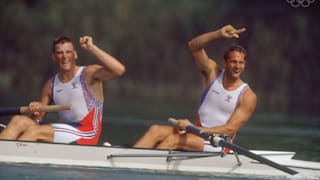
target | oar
[
  {"x": 25, "y": 109},
  {"x": 218, "y": 141}
]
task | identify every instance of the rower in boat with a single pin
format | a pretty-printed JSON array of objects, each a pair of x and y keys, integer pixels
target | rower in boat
[
  {"x": 226, "y": 104},
  {"x": 80, "y": 86}
]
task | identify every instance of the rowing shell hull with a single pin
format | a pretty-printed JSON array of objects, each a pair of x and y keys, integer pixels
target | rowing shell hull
[{"x": 155, "y": 160}]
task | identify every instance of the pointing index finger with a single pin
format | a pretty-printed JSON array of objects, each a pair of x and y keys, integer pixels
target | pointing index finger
[{"x": 240, "y": 30}]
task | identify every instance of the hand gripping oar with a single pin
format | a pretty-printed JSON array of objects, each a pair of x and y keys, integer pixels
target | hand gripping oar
[
  {"x": 25, "y": 109},
  {"x": 218, "y": 141}
]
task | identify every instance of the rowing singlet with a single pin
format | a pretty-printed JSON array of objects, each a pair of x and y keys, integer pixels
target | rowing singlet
[
  {"x": 217, "y": 104},
  {"x": 81, "y": 124}
]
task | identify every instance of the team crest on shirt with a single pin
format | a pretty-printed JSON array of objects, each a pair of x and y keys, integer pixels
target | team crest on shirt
[{"x": 228, "y": 98}]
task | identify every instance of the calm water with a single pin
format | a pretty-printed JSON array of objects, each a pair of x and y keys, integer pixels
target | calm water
[
  {"x": 275, "y": 132},
  {"x": 34, "y": 172},
  {"x": 265, "y": 133}
]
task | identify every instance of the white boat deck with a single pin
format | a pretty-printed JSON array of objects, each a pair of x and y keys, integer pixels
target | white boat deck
[{"x": 155, "y": 160}]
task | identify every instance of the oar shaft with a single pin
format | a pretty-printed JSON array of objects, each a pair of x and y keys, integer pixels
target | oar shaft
[
  {"x": 218, "y": 141},
  {"x": 261, "y": 159},
  {"x": 9, "y": 111},
  {"x": 25, "y": 109},
  {"x": 184, "y": 154}
]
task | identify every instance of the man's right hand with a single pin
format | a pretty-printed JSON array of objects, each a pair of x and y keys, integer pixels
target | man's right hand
[
  {"x": 34, "y": 108},
  {"x": 182, "y": 123},
  {"x": 229, "y": 31}
]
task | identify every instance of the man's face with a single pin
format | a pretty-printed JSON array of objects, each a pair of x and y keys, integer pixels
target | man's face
[
  {"x": 235, "y": 64},
  {"x": 65, "y": 55}
]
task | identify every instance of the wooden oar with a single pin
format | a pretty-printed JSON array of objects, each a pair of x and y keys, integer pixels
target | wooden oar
[
  {"x": 218, "y": 141},
  {"x": 25, "y": 109}
]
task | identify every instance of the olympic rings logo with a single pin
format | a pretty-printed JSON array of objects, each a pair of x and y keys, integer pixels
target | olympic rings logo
[{"x": 302, "y": 3}]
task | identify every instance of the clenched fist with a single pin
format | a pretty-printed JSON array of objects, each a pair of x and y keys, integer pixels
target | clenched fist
[{"x": 86, "y": 42}]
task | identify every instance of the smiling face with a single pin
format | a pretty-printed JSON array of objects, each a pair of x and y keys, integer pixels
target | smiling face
[
  {"x": 65, "y": 56},
  {"x": 234, "y": 64}
]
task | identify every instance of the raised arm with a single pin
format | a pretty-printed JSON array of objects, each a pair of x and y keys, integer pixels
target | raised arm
[
  {"x": 110, "y": 67},
  {"x": 207, "y": 66}
]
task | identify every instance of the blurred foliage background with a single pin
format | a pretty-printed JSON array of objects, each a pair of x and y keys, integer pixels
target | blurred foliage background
[{"x": 150, "y": 38}]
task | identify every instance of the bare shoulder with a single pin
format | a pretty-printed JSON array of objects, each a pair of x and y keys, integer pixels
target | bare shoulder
[
  {"x": 48, "y": 84},
  {"x": 90, "y": 73},
  {"x": 216, "y": 69},
  {"x": 92, "y": 68},
  {"x": 47, "y": 88},
  {"x": 210, "y": 70},
  {"x": 249, "y": 96}
]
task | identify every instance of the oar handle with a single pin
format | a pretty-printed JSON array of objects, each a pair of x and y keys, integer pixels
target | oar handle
[
  {"x": 5, "y": 111},
  {"x": 47, "y": 108},
  {"x": 173, "y": 121},
  {"x": 192, "y": 129}
]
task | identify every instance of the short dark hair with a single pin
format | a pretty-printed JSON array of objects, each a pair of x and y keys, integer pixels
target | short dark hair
[
  {"x": 235, "y": 47},
  {"x": 60, "y": 39}
]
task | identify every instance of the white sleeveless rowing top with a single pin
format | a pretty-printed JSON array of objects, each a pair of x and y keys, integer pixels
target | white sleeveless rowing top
[
  {"x": 74, "y": 92},
  {"x": 217, "y": 104}
]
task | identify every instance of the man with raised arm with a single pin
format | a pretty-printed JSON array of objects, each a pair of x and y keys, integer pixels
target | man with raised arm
[
  {"x": 226, "y": 104},
  {"x": 80, "y": 86}
]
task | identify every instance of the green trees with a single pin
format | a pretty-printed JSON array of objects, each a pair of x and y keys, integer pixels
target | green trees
[{"x": 150, "y": 38}]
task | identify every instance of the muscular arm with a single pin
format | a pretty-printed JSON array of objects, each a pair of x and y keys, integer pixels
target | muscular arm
[
  {"x": 110, "y": 67},
  {"x": 241, "y": 115},
  {"x": 208, "y": 66}
]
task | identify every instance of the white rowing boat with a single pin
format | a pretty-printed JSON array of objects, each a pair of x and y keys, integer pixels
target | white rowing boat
[
  {"x": 243, "y": 162},
  {"x": 155, "y": 160}
]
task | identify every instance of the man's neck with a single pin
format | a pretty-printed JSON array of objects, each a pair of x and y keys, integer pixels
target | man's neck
[
  {"x": 231, "y": 83},
  {"x": 66, "y": 76}
]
